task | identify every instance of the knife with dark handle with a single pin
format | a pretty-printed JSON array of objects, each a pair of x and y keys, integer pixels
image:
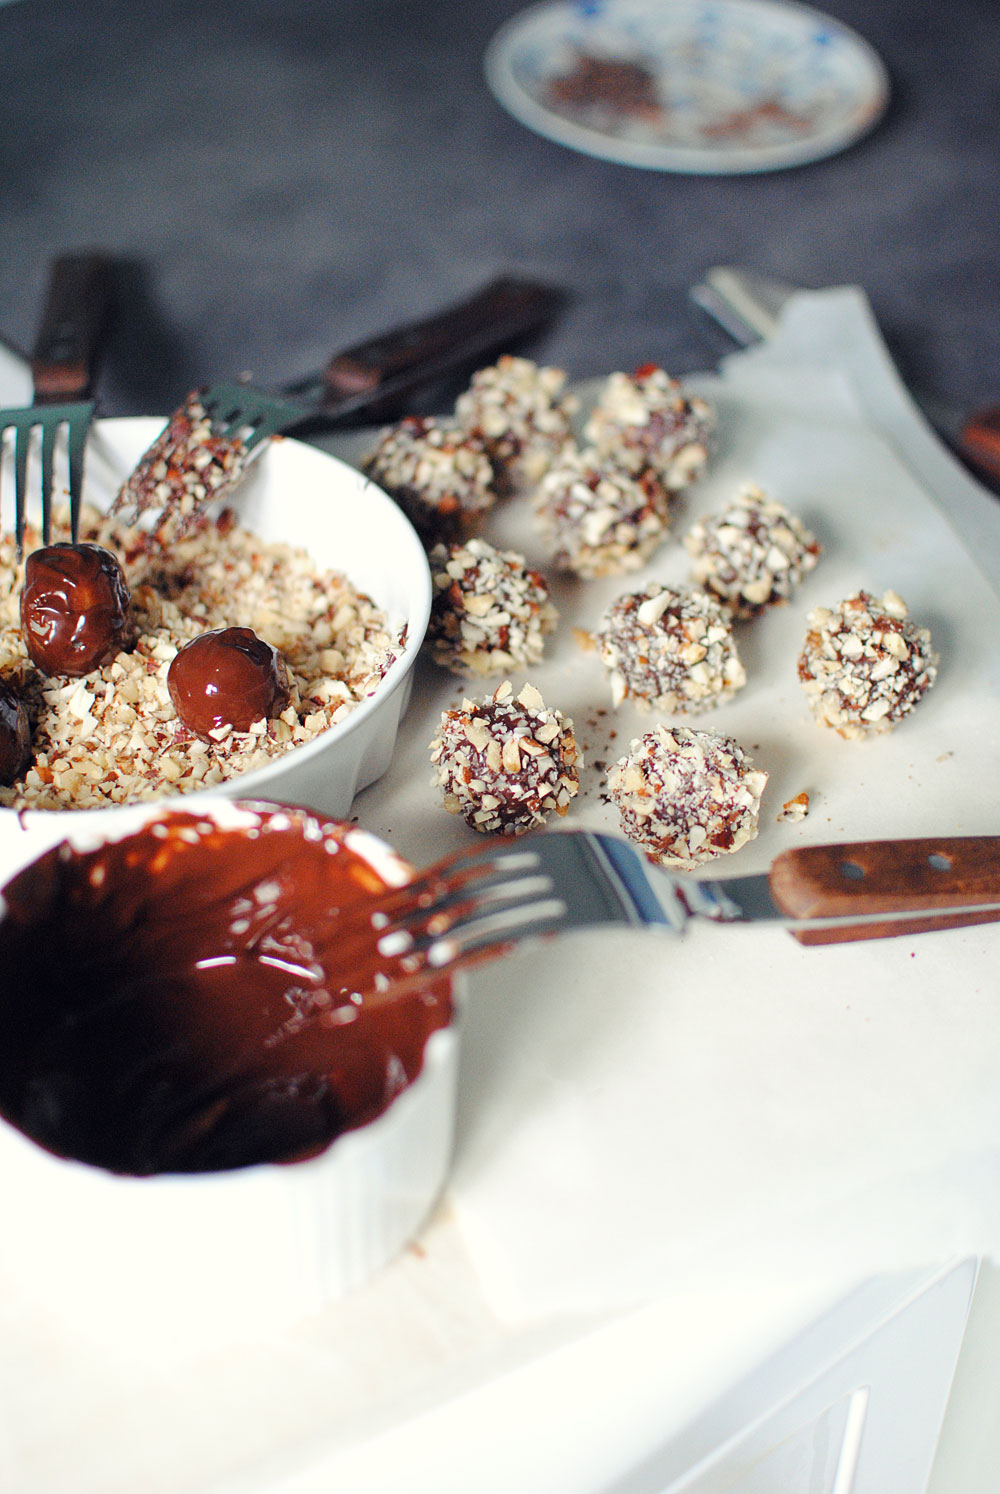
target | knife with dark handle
[
  {"x": 372, "y": 380},
  {"x": 74, "y": 320}
]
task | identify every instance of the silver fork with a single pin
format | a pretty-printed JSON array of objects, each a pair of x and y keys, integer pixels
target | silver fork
[
  {"x": 371, "y": 381},
  {"x": 62, "y": 366},
  {"x": 479, "y": 903}
]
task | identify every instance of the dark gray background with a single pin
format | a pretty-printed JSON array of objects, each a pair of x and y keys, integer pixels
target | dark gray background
[{"x": 279, "y": 177}]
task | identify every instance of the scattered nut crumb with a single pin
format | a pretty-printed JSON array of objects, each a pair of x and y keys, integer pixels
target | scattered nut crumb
[{"x": 795, "y": 809}]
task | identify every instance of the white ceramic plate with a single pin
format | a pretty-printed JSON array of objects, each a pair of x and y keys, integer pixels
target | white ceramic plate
[{"x": 733, "y": 85}]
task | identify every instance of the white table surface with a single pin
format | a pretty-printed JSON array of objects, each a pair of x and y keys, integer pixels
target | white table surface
[{"x": 450, "y": 1349}]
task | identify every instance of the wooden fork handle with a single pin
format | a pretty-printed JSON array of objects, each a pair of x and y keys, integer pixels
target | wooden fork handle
[
  {"x": 939, "y": 881},
  {"x": 77, "y": 305},
  {"x": 506, "y": 309}
]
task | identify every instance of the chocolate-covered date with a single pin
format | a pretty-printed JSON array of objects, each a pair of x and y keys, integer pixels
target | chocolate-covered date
[
  {"x": 227, "y": 677},
  {"x": 15, "y": 734},
  {"x": 75, "y": 608}
]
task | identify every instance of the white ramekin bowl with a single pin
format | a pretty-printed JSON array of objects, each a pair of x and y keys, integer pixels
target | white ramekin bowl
[
  {"x": 189, "y": 1263},
  {"x": 299, "y": 495}
]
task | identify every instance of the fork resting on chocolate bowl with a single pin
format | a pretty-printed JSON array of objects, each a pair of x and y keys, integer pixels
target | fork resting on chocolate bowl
[{"x": 258, "y": 989}]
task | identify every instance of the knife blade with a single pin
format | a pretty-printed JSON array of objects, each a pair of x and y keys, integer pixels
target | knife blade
[{"x": 747, "y": 306}]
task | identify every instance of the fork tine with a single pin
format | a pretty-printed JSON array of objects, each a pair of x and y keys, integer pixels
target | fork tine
[
  {"x": 480, "y": 903},
  {"x": 477, "y": 902},
  {"x": 76, "y": 438},
  {"x": 465, "y": 869},
  {"x": 47, "y": 461},
  {"x": 22, "y": 436}
]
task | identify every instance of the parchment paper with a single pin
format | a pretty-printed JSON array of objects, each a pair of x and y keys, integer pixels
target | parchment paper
[{"x": 643, "y": 1114}]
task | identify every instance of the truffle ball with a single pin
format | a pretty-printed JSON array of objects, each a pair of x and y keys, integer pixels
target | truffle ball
[
  {"x": 75, "y": 608},
  {"x": 15, "y": 735},
  {"x": 599, "y": 520},
  {"x": 645, "y": 419},
  {"x": 864, "y": 664},
  {"x": 441, "y": 476},
  {"x": 227, "y": 677},
  {"x": 506, "y": 762},
  {"x": 489, "y": 612},
  {"x": 753, "y": 554},
  {"x": 669, "y": 650},
  {"x": 522, "y": 416},
  {"x": 686, "y": 796}
]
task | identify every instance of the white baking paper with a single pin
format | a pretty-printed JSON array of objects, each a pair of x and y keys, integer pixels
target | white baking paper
[{"x": 642, "y": 1114}]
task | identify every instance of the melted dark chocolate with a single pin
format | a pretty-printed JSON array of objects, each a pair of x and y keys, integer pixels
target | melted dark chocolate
[
  {"x": 74, "y": 608},
  {"x": 227, "y": 677},
  {"x": 192, "y": 998}
]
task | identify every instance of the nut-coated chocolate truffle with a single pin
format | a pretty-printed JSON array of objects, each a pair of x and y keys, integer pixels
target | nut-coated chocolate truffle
[
  {"x": 74, "y": 608},
  {"x": 507, "y": 762},
  {"x": 227, "y": 677}
]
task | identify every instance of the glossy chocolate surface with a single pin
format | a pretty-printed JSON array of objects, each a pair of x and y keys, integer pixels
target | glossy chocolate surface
[
  {"x": 15, "y": 734},
  {"x": 194, "y": 998},
  {"x": 74, "y": 608},
  {"x": 227, "y": 677}
]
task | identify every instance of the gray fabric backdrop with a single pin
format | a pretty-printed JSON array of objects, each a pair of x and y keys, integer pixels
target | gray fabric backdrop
[{"x": 278, "y": 177}]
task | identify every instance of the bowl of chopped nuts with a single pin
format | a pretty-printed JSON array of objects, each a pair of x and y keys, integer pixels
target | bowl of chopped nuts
[{"x": 259, "y": 644}]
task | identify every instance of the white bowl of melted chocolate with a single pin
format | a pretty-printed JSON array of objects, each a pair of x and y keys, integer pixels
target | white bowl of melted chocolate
[
  {"x": 210, "y": 1084},
  {"x": 256, "y": 640}
]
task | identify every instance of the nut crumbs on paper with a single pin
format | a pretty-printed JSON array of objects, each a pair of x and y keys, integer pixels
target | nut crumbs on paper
[{"x": 794, "y": 809}]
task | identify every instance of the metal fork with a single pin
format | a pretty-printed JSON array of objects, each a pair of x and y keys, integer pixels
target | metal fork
[
  {"x": 238, "y": 411},
  {"x": 62, "y": 366},
  {"x": 368, "y": 381},
  {"x": 480, "y": 903}
]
